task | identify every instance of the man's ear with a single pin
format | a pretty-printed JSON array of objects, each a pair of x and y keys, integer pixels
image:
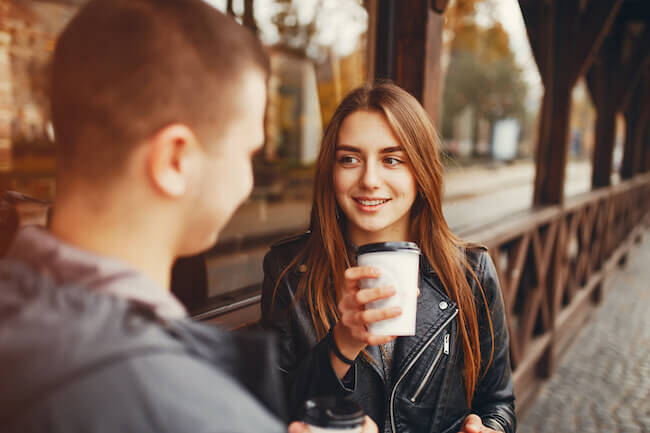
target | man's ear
[{"x": 172, "y": 156}]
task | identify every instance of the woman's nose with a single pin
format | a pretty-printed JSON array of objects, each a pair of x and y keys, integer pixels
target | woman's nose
[{"x": 371, "y": 178}]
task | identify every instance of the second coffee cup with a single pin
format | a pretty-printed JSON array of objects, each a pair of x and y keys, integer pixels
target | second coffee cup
[{"x": 399, "y": 265}]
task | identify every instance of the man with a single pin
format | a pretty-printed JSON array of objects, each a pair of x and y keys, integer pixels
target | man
[{"x": 157, "y": 106}]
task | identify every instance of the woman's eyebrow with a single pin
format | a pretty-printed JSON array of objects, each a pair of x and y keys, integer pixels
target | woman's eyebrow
[
  {"x": 347, "y": 148},
  {"x": 392, "y": 149}
]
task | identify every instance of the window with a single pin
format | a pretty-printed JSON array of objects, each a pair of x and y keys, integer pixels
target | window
[{"x": 318, "y": 54}]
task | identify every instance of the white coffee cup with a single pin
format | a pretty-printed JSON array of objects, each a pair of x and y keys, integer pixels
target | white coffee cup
[
  {"x": 399, "y": 265},
  {"x": 333, "y": 415}
]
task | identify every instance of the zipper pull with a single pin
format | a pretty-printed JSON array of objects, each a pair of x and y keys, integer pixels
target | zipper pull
[{"x": 446, "y": 344}]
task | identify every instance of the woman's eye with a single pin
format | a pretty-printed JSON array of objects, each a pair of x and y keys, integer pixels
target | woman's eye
[
  {"x": 347, "y": 160},
  {"x": 392, "y": 161}
]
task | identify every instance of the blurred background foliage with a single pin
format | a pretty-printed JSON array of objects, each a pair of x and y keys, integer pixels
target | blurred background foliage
[{"x": 482, "y": 73}]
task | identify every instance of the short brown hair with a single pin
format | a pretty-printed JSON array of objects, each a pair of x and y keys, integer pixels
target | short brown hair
[{"x": 124, "y": 69}]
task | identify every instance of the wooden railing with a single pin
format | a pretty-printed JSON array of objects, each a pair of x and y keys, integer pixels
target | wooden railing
[{"x": 552, "y": 263}]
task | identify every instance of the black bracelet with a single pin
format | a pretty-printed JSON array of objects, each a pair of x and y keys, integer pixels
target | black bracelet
[{"x": 336, "y": 351}]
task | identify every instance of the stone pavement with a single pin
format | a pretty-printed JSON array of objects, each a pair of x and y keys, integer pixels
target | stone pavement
[{"x": 602, "y": 384}]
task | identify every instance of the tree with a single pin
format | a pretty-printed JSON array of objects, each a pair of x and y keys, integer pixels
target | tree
[{"x": 482, "y": 71}]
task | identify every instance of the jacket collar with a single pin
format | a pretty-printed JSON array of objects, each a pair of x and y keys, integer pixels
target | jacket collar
[{"x": 425, "y": 267}]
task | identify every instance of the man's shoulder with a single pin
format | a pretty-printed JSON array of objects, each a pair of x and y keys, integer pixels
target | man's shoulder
[
  {"x": 194, "y": 393},
  {"x": 51, "y": 336},
  {"x": 155, "y": 392},
  {"x": 87, "y": 357}
]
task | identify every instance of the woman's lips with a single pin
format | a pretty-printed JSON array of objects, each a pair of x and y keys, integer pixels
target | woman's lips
[{"x": 370, "y": 204}]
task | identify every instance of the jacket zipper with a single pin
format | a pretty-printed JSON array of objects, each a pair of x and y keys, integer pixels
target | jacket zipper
[
  {"x": 411, "y": 364},
  {"x": 444, "y": 348}
]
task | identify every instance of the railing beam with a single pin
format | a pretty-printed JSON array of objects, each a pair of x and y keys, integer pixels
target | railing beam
[{"x": 595, "y": 23}]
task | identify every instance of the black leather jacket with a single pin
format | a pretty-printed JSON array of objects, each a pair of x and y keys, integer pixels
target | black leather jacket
[{"x": 426, "y": 392}]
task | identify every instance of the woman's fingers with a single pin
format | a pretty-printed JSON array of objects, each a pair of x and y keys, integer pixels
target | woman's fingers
[
  {"x": 353, "y": 275},
  {"x": 369, "y": 426},
  {"x": 364, "y": 296},
  {"x": 376, "y": 340},
  {"x": 362, "y": 318},
  {"x": 371, "y": 316},
  {"x": 298, "y": 427},
  {"x": 473, "y": 424},
  {"x": 356, "y": 300},
  {"x": 351, "y": 306}
]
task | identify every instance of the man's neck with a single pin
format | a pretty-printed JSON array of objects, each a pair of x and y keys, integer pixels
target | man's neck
[{"x": 123, "y": 238}]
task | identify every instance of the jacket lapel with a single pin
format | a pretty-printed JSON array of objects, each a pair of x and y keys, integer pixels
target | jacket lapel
[
  {"x": 376, "y": 366},
  {"x": 434, "y": 308}
]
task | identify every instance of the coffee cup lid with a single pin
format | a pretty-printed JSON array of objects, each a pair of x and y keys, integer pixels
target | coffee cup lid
[
  {"x": 331, "y": 412},
  {"x": 388, "y": 246}
]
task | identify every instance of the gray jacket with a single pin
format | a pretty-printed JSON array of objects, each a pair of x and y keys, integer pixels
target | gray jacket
[{"x": 78, "y": 360}]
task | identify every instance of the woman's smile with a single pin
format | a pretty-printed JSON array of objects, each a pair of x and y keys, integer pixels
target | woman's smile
[{"x": 371, "y": 204}]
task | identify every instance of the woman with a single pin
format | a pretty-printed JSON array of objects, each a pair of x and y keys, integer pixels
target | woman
[{"x": 379, "y": 179}]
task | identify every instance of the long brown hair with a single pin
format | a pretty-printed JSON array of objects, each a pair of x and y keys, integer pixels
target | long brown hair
[{"x": 325, "y": 254}]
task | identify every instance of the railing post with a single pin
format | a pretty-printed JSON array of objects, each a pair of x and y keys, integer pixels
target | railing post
[{"x": 553, "y": 290}]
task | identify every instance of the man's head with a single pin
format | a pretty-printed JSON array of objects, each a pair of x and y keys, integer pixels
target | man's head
[{"x": 161, "y": 98}]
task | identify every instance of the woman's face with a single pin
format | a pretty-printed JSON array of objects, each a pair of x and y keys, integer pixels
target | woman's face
[{"x": 373, "y": 180}]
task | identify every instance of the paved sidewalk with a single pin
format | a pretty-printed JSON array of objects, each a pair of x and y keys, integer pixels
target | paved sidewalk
[{"x": 603, "y": 383}]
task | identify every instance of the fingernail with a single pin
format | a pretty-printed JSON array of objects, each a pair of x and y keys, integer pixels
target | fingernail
[{"x": 396, "y": 310}]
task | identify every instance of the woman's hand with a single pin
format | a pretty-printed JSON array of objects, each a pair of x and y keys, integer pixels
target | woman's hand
[
  {"x": 369, "y": 426},
  {"x": 473, "y": 424},
  {"x": 351, "y": 333}
]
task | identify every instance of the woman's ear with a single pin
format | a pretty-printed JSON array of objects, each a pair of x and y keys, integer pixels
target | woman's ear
[{"x": 171, "y": 159}]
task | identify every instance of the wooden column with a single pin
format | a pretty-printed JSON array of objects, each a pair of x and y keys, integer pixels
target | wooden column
[
  {"x": 408, "y": 47},
  {"x": 646, "y": 150},
  {"x": 615, "y": 83},
  {"x": 564, "y": 37},
  {"x": 432, "y": 87},
  {"x": 410, "y": 43},
  {"x": 384, "y": 43},
  {"x": 600, "y": 78},
  {"x": 552, "y": 145},
  {"x": 248, "y": 19},
  {"x": 637, "y": 116}
]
